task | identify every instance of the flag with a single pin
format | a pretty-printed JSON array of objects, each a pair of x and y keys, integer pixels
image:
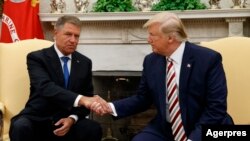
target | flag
[{"x": 20, "y": 21}]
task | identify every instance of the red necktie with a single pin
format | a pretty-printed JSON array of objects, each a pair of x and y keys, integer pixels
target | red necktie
[{"x": 174, "y": 107}]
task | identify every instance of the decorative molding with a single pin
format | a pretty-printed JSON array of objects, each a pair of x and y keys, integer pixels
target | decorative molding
[
  {"x": 120, "y": 26},
  {"x": 113, "y": 32},
  {"x": 235, "y": 26},
  {"x": 206, "y": 21},
  {"x": 239, "y": 19},
  {"x": 130, "y": 16}
]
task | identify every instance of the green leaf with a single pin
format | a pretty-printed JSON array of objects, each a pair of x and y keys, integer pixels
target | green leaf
[
  {"x": 113, "y": 6},
  {"x": 165, "y": 5}
]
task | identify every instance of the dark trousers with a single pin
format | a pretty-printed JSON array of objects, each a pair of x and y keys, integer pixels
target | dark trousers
[
  {"x": 24, "y": 129},
  {"x": 155, "y": 132}
]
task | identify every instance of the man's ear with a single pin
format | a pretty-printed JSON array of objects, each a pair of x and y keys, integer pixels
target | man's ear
[
  {"x": 171, "y": 38},
  {"x": 54, "y": 34}
]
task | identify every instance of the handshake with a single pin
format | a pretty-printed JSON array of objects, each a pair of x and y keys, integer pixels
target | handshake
[{"x": 96, "y": 104}]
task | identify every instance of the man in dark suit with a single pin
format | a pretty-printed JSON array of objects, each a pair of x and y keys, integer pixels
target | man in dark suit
[
  {"x": 58, "y": 105},
  {"x": 200, "y": 85}
]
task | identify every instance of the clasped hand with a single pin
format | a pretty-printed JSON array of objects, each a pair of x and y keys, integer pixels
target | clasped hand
[{"x": 96, "y": 104}]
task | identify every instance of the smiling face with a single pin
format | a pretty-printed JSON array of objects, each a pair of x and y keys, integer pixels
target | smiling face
[{"x": 67, "y": 38}]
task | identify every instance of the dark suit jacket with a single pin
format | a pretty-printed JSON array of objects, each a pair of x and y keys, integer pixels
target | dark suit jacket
[
  {"x": 202, "y": 92},
  {"x": 48, "y": 98}
]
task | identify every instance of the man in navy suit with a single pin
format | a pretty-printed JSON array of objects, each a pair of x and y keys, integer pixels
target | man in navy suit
[
  {"x": 57, "y": 109},
  {"x": 201, "y": 84}
]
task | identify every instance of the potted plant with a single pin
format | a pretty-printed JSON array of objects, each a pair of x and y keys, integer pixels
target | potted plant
[
  {"x": 165, "y": 5},
  {"x": 113, "y": 6}
]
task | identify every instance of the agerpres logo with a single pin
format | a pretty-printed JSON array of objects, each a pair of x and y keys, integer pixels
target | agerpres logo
[
  {"x": 228, "y": 134},
  {"x": 225, "y": 132},
  {"x": 17, "y": 1}
]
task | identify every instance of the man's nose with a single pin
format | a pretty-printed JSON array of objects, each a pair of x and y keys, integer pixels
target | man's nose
[
  {"x": 73, "y": 38},
  {"x": 149, "y": 40}
]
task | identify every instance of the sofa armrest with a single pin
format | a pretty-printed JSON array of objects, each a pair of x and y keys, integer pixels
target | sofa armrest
[{"x": 2, "y": 111}]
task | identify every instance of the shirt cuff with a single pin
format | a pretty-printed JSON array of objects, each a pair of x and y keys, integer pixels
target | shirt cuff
[
  {"x": 77, "y": 101},
  {"x": 113, "y": 109},
  {"x": 75, "y": 117}
]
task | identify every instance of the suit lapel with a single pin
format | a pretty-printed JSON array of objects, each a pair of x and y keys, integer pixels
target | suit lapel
[
  {"x": 75, "y": 63},
  {"x": 161, "y": 85},
  {"x": 186, "y": 68},
  {"x": 55, "y": 64}
]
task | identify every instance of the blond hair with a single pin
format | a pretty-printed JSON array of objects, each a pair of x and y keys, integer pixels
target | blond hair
[{"x": 170, "y": 24}]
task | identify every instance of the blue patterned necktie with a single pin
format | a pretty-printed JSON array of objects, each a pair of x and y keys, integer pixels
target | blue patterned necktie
[{"x": 65, "y": 70}]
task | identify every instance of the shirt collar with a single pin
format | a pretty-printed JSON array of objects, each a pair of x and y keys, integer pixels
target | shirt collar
[
  {"x": 59, "y": 53},
  {"x": 178, "y": 53}
]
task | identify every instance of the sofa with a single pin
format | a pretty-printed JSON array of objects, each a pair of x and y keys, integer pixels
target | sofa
[
  {"x": 14, "y": 80},
  {"x": 236, "y": 55}
]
